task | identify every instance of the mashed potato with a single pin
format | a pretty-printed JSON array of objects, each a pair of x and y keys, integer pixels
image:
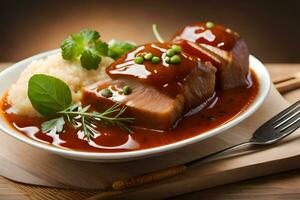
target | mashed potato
[{"x": 72, "y": 74}]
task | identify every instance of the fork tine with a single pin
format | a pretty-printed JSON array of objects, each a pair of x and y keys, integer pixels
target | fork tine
[
  {"x": 285, "y": 112},
  {"x": 291, "y": 122},
  {"x": 292, "y": 128},
  {"x": 287, "y": 118}
]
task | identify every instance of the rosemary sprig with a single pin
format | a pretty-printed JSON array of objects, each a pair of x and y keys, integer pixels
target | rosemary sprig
[{"x": 87, "y": 121}]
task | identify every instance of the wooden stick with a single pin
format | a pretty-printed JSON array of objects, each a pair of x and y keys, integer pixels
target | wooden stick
[
  {"x": 148, "y": 178},
  {"x": 282, "y": 79},
  {"x": 288, "y": 85}
]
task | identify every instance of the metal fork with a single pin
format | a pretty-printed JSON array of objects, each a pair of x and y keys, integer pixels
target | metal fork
[{"x": 277, "y": 128}]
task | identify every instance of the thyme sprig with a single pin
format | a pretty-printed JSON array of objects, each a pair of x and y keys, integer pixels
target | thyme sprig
[{"x": 87, "y": 122}]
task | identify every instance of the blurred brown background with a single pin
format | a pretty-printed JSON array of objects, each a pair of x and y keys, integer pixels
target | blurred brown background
[{"x": 27, "y": 27}]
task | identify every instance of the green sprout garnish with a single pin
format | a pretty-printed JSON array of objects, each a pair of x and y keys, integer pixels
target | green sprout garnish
[{"x": 156, "y": 34}]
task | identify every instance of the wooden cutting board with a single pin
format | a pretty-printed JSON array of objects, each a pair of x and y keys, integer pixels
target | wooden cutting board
[{"x": 26, "y": 164}]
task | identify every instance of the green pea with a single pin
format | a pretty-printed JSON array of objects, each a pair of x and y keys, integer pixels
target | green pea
[
  {"x": 106, "y": 93},
  {"x": 176, "y": 48},
  {"x": 139, "y": 60},
  {"x": 210, "y": 24},
  {"x": 167, "y": 59},
  {"x": 126, "y": 90},
  {"x": 148, "y": 56},
  {"x": 175, "y": 59},
  {"x": 155, "y": 59},
  {"x": 170, "y": 52}
]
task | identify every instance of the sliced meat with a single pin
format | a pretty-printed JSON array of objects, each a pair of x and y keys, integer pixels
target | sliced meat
[
  {"x": 232, "y": 67},
  {"x": 199, "y": 86},
  {"x": 151, "y": 108},
  {"x": 160, "y": 102},
  {"x": 224, "y": 48}
]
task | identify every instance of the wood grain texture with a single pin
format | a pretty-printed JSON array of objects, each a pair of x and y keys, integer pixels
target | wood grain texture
[
  {"x": 284, "y": 185},
  {"x": 280, "y": 186},
  {"x": 8, "y": 191}
]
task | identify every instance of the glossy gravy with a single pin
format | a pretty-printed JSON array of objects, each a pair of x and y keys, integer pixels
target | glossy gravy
[
  {"x": 225, "y": 106},
  {"x": 164, "y": 76},
  {"x": 198, "y": 33},
  {"x": 218, "y": 36}
]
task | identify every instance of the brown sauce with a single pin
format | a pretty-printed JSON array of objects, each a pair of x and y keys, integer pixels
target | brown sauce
[
  {"x": 224, "y": 107},
  {"x": 218, "y": 36},
  {"x": 163, "y": 76}
]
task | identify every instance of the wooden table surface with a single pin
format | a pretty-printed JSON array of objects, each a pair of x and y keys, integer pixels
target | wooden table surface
[{"x": 280, "y": 186}]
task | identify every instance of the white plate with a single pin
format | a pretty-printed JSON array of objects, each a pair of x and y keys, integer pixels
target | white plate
[{"x": 11, "y": 74}]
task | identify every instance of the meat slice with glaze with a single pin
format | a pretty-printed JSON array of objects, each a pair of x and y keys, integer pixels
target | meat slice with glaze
[
  {"x": 160, "y": 92},
  {"x": 224, "y": 48}
]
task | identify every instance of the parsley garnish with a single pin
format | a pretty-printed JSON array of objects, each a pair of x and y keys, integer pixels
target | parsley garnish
[
  {"x": 51, "y": 97},
  {"x": 87, "y": 48}
]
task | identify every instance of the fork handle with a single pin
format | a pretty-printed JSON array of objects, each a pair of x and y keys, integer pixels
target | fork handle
[{"x": 218, "y": 153}]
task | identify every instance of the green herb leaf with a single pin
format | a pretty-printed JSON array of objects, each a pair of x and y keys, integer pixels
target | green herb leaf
[
  {"x": 86, "y": 47},
  {"x": 53, "y": 126},
  {"x": 89, "y": 59},
  {"x": 101, "y": 48},
  {"x": 118, "y": 48},
  {"x": 48, "y": 95},
  {"x": 89, "y": 35},
  {"x": 70, "y": 49}
]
